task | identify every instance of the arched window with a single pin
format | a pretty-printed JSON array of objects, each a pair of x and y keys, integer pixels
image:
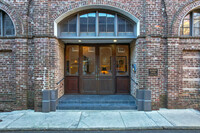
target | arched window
[
  {"x": 97, "y": 24},
  {"x": 191, "y": 24},
  {"x": 6, "y": 25}
]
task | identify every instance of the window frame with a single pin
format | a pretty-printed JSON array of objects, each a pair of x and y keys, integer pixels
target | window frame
[
  {"x": 78, "y": 24},
  {"x": 191, "y": 26},
  {"x": 3, "y": 28},
  {"x": 97, "y": 32}
]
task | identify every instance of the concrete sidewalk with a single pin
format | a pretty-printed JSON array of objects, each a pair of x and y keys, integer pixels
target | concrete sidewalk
[{"x": 100, "y": 120}]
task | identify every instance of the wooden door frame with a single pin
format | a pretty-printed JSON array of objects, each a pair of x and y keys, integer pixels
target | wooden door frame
[
  {"x": 129, "y": 73},
  {"x": 97, "y": 57},
  {"x": 113, "y": 60},
  {"x": 80, "y": 66}
]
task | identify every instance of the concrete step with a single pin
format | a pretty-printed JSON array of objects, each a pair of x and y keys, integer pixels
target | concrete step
[
  {"x": 96, "y": 102},
  {"x": 96, "y": 106}
]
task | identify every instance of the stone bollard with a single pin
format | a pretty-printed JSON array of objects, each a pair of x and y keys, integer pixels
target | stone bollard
[
  {"x": 53, "y": 100},
  {"x": 143, "y": 100},
  {"x": 46, "y": 101}
]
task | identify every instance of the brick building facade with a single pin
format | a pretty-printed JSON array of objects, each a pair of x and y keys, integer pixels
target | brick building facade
[{"x": 32, "y": 60}]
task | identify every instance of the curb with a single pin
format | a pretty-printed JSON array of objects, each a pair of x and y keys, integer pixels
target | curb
[{"x": 103, "y": 129}]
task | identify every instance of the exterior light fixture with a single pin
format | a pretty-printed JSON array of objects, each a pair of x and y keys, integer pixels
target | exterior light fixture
[
  {"x": 114, "y": 40},
  {"x": 79, "y": 41}
]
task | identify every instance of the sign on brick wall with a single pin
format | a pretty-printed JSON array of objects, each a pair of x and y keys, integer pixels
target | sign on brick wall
[{"x": 153, "y": 72}]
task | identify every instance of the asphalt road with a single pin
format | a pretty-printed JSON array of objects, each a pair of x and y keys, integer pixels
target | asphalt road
[{"x": 133, "y": 131}]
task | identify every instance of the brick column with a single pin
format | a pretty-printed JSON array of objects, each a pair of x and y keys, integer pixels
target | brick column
[
  {"x": 154, "y": 69},
  {"x": 41, "y": 69},
  {"x": 46, "y": 73},
  {"x": 143, "y": 95},
  {"x": 150, "y": 58},
  {"x": 57, "y": 65},
  {"x": 174, "y": 72},
  {"x": 21, "y": 65}
]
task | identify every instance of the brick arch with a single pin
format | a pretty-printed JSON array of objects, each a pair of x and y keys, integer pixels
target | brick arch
[
  {"x": 109, "y": 3},
  {"x": 14, "y": 15},
  {"x": 181, "y": 13}
]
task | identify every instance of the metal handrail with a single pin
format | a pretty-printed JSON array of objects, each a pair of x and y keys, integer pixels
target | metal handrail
[
  {"x": 134, "y": 81},
  {"x": 60, "y": 81}
]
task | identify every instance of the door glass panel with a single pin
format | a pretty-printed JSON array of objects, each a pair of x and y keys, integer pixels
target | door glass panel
[
  {"x": 88, "y": 60},
  {"x": 72, "y": 58},
  {"x": 105, "y": 60},
  {"x": 122, "y": 60}
]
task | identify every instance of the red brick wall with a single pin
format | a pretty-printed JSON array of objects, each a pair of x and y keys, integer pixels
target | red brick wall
[
  {"x": 189, "y": 94},
  {"x": 7, "y": 76},
  {"x": 14, "y": 79},
  {"x": 58, "y": 67},
  {"x": 191, "y": 78}
]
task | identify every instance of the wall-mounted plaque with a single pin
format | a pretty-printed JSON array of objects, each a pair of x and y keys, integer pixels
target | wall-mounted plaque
[{"x": 153, "y": 72}]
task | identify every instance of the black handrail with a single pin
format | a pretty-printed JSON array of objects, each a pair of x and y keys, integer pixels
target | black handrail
[
  {"x": 134, "y": 81},
  {"x": 60, "y": 81}
]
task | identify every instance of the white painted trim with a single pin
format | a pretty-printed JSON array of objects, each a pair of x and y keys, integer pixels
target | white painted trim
[
  {"x": 55, "y": 29},
  {"x": 87, "y": 7},
  {"x": 192, "y": 68},
  {"x": 191, "y": 89},
  {"x": 193, "y": 57},
  {"x": 191, "y": 79}
]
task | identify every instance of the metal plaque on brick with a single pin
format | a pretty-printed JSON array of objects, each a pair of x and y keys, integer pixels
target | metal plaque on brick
[{"x": 153, "y": 72}]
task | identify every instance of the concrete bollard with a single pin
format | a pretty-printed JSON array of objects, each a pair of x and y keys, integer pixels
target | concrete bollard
[
  {"x": 45, "y": 101},
  {"x": 53, "y": 100},
  {"x": 143, "y": 100}
]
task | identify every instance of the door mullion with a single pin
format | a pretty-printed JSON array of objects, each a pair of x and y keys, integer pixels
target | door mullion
[
  {"x": 97, "y": 68},
  {"x": 80, "y": 69}
]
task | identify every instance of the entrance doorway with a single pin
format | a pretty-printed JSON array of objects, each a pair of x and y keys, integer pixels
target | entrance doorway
[{"x": 97, "y": 69}]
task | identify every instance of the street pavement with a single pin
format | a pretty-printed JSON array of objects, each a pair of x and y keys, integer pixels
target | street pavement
[
  {"x": 133, "y": 131},
  {"x": 107, "y": 121}
]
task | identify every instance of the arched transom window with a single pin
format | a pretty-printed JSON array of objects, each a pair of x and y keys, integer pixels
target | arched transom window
[
  {"x": 97, "y": 24},
  {"x": 6, "y": 25},
  {"x": 191, "y": 24}
]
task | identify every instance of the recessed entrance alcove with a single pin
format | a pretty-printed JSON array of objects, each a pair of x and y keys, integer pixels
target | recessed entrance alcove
[{"x": 98, "y": 56}]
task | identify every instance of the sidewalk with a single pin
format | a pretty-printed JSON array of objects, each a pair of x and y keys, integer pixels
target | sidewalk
[{"x": 100, "y": 120}]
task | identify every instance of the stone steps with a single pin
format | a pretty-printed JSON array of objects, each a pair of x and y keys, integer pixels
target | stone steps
[{"x": 96, "y": 102}]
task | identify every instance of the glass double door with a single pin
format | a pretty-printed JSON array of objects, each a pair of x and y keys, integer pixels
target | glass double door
[{"x": 96, "y": 70}]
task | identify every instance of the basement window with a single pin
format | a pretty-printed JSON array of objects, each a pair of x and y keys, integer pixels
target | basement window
[
  {"x": 6, "y": 25},
  {"x": 191, "y": 24}
]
